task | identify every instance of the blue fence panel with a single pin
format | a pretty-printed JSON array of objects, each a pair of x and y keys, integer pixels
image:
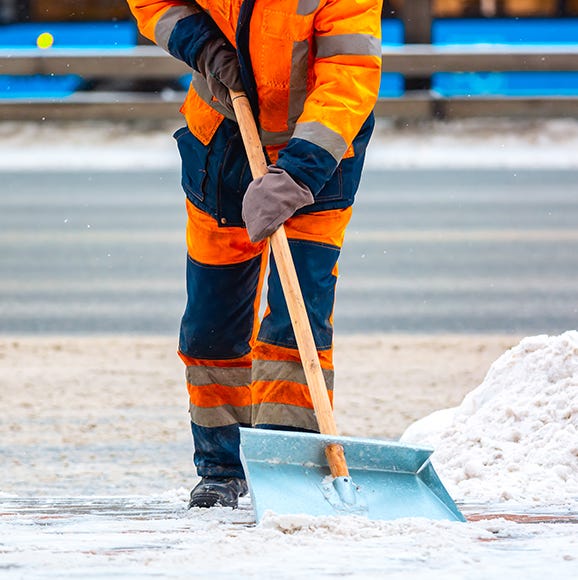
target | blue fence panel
[
  {"x": 510, "y": 84},
  {"x": 100, "y": 35},
  {"x": 392, "y": 34},
  {"x": 38, "y": 86},
  {"x": 535, "y": 31},
  {"x": 505, "y": 31},
  {"x": 122, "y": 34}
]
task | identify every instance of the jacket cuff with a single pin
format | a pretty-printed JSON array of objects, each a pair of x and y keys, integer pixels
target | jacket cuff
[
  {"x": 190, "y": 35},
  {"x": 308, "y": 163}
]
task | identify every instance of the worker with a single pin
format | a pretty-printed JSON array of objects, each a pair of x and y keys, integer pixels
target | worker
[{"x": 311, "y": 70}]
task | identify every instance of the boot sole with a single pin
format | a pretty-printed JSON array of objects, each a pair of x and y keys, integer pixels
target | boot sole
[{"x": 209, "y": 500}]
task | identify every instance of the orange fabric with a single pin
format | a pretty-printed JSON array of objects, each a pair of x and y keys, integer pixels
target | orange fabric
[
  {"x": 341, "y": 89},
  {"x": 216, "y": 395},
  {"x": 208, "y": 243},
  {"x": 326, "y": 227},
  {"x": 284, "y": 393},
  {"x": 202, "y": 120},
  {"x": 265, "y": 351},
  {"x": 149, "y": 12},
  {"x": 225, "y": 14}
]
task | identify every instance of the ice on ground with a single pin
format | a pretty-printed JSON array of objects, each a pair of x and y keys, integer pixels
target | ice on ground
[
  {"x": 157, "y": 537},
  {"x": 515, "y": 437}
]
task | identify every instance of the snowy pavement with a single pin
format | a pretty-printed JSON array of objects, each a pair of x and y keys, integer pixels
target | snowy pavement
[
  {"x": 49, "y": 530},
  {"x": 141, "y": 537}
]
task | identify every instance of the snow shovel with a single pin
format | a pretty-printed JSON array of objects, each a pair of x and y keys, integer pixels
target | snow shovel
[{"x": 306, "y": 473}]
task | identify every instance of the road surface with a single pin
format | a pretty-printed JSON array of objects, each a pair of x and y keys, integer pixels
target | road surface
[{"x": 427, "y": 251}]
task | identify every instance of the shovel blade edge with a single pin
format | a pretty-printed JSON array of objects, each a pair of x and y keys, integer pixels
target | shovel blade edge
[{"x": 287, "y": 473}]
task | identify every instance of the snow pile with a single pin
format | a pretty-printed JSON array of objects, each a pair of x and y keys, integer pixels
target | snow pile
[
  {"x": 515, "y": 437},
  {"x": 129, "y": 145},
  {"x": 85, "y": 146},
  {"x": 479, "y": 143}
]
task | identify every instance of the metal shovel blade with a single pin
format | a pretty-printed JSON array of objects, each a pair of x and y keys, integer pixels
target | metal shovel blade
[{"x": 287, "y": 473}]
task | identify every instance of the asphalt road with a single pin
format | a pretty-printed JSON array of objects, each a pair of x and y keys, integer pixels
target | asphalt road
[{"x": 426, "y": 252}]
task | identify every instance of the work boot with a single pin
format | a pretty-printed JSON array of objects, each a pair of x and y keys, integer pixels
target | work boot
[{"x": 218, "y": 491}]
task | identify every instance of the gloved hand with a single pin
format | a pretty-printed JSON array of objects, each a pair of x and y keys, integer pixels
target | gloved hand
[
  {"x": 271, "y": 200},
  {"x": 218, "y": 64}
]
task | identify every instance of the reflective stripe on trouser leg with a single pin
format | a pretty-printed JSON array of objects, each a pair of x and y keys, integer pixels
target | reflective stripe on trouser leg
[
  {"x": 280, "y": 394},
  {"x": 224, "y": 277}
]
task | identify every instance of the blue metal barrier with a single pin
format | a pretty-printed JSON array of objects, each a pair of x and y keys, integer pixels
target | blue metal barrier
[
  {"x": 37, "y": 35},
  {"x": 531, "y": 31},
  {"x": 122, "y": 34},
  {"x": 392, "y": 34}
]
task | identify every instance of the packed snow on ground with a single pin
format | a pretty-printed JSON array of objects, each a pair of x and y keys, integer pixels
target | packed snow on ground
[
  {"x": 539, "y": 143},
  {"x": 512, "y": 438}
]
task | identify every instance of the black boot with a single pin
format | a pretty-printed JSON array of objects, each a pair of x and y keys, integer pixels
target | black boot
[{"x": 218, "y": 491}]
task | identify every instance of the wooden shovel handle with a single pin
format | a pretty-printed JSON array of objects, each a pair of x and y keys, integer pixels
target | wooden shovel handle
[{"x": 293, "y": 296}]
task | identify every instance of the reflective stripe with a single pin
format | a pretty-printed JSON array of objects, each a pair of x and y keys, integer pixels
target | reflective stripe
[
  {"x": 297, "y": 94},
  {"x": 276, "y": 371},
  {"x": 220, "y": 416},
  {"x": 358, "y": 44},
  {"x": 274, "y": 138},
  {"x": 285, "y": 415},
  {"x": 322, "y": 136},
  {"x": 167, "y": 22},
  {"x": 305, "y": 7},
  {"x": 202, "y": 88},
  {"x": 225, "y": 376},
  {"x": 298, "y": 81}
]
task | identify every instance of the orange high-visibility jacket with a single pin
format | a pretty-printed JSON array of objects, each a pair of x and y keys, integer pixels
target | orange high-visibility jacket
[{"x": 311, "y": 69}]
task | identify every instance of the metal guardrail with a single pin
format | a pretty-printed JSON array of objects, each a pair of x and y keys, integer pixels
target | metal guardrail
[{"x": 144, "y": 63}]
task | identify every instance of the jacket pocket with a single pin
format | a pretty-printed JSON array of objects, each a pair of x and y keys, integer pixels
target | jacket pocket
[
  {"x": 234, "y": 178},
  {"x": 194, "y": 157},
  {"x": 333, "y": 189}
]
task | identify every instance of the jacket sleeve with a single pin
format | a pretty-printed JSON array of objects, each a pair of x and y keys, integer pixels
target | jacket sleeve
[
  {"x": 347, "y": 73},
  {"x": 180, "y": 28}
]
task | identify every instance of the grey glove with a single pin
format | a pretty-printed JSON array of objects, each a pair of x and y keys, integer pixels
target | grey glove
[
  {"x": 271, "y": 200},
  {"x": 218, "y": 64}
]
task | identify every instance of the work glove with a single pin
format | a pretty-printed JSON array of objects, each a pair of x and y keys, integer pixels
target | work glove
[
  {"x": 271, "y": 200},
  {"x": 217, "y": 62}
]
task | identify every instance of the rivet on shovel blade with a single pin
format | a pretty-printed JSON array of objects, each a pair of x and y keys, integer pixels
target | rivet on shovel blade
[{"x": 344, "y": 496}]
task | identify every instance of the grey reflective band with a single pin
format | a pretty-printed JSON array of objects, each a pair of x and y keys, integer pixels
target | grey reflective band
[
  {"x": 167, "y": 22},
  {"x": 298, "y": 81},
  {"x": 202, "y": 88},
  {"x": 305, "y": 7},
  {"x": 323, "y": 137},
  {"x": 226, "y": 376},
  {"x": 220, "y": 416},
  {"x": 285, "y": 415},
  {"x": 297, "y": 94},
  {"x": 275, "y": 370},
  {"x": 273, "y": 138},
  {"x": 351, "y": 44}
]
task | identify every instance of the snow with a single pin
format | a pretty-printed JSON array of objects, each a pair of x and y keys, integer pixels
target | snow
[
  {"x": 510, "y": 446},
  {"x": 157, "y": 536},
  {"x": 515, "y": 437},
  {"x": 540, "y": 143},
  {"x": 477, "y": 143},
  {"x": 514, "y": 433}
]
